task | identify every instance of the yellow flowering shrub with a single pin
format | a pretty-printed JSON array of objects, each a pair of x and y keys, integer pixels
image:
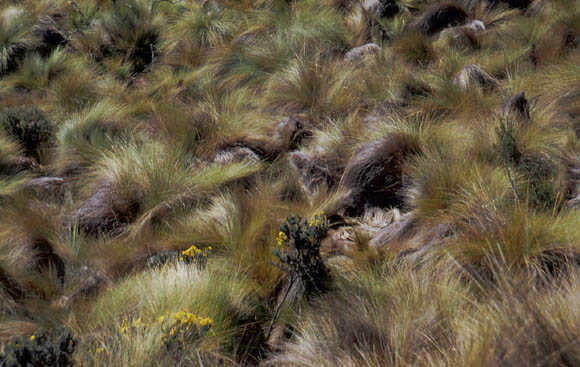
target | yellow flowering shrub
[
  {"x": 195, "y": 255},
  {"x": 282, "y": 238},
  {"x": 137, "y": 324},
  {"x": 180, "y": 329},
  {"x": 183, "y": 329},
  {"x": 298, "y": 251}
]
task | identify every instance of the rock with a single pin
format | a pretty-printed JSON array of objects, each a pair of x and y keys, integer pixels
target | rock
[
  {"x": 339, "y": 241},
  {"x": 287, "y": 135},
  {"x": 235, "y": 154},
  {"x": 374, "y": 174},
  {"x": 474, "y": 75},
  {"x": 90, "y": 285},
  {"x": 45, "y": 187},
  {"x": 438, "y": 17},
  {"x": 413, "y": 241},
  {"x": 358, "y": 53},
  {"x": 462, "y": 38},
  {"x": 313, "y": 172},
  {"x": 393, "y": 230},
  {"x": 382, "y": 8},
  {"x": 475, "y": 25},
  {"x": 402, "y": 255},
  {"x": 517, "y": 105},
  {"x": 105, "y": 212}
]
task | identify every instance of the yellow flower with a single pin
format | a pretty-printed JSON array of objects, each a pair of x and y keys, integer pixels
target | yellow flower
[
  {"x": 190, "y": 251},
  {"x": 32, "y": 337},
  {"x": 281, "y": 238},
  {"x": 100, "y": 350},
  {"x": 194, "y": 251}
]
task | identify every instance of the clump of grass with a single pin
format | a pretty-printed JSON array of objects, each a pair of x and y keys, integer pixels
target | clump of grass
[
  {"x": 413, "y": 47},
  {"x": 162, "y": 180},
  {"x": 540, "y": 170},
  {"x": 77, "y": 88},
  {"x": 13, "y": 166},
  {"x": 316, "y": 87},
  {"x": 128, "y": 28},
  {"x": 521, "y": 240},
  {"x": 444, "y": 185},
  {"x": 225, "y": 297},
  {"x": 16, "y": 37},
  {"x": 522, "y": 324},
  {"x": 36, "y": 72},
  {"x": 187, "y": 122},
  {"x": 192, "y": 36},
  {"x": 82, "y": 139},
  {"x": 378, "y": 316}
]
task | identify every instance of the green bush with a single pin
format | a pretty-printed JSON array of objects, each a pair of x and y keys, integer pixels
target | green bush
[
  {"x": 193, "y": 255},
  {"x": 299, "y": 252},
  {"x": 506, "y": 146},
  {"x": 161, "y": 258},
  {"x": 40, "y": 350},
  {"x": 539, "y": 171},
  {"x": 29, "y": 126}
]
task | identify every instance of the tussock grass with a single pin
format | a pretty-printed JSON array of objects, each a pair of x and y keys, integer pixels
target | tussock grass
[
  {"x": 82, "y": 138},
  {"x": 520, "y": 239},
  {"x": 225, "y": 298},
  {"x": 36, "y": 72},
  {"x": 376, "y": 317},
  {"x": 161, "y": 180},
  {"x": 208, "y": 123},
  {"x": 529, "y": 324},
  {"x": 314, "y": 86},
  {"x": 15, "y": 37}
]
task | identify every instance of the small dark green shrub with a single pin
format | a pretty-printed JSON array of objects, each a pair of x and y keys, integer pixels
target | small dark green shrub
[
  {"x": 540, "y": 172},
  {"x": 299, "y": 252},
  {"x": 193, "y": 255},
  {"x": 29, "y": 126},
  {"x": 506, "y": 147},
  {"x": 40, "y": 350}
]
